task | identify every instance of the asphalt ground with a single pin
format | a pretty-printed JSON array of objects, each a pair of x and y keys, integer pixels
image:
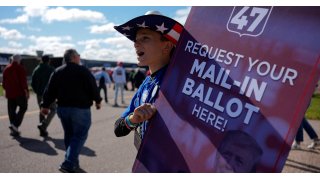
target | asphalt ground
[{"x": 103, "y": 152}]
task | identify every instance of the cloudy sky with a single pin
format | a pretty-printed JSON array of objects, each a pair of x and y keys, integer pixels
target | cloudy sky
[{"x": 89, "y": 29}]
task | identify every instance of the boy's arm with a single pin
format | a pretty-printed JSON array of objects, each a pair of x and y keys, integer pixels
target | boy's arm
[{"x": 124, "y": 125}]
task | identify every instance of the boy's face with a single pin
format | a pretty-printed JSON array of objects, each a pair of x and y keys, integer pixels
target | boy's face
[{"x": 150, "y": 49}]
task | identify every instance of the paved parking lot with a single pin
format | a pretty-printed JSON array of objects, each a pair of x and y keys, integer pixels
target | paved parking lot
[{"x": 103, "y": 152}]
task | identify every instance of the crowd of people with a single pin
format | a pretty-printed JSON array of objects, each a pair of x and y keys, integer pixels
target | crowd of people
[
  {"x": 67, "y": 91},
  {"x": 70, "y": 90}
]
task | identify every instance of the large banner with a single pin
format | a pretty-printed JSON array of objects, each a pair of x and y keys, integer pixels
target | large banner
[{"x": 235, "y": 91}]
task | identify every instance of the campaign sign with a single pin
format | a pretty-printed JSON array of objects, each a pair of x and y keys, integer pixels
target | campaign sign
[{"x": 235, "y": 91}]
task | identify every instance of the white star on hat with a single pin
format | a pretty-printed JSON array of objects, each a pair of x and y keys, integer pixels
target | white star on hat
[
  {"x": 126, "y": 34},
  {"x": 161, "y": 28},
  {"x": 127, "y": 28},
  {"x": 143, "y": 25}
]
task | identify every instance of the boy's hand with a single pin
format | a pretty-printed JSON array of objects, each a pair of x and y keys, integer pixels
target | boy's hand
[{"x": 143, "y": 113}]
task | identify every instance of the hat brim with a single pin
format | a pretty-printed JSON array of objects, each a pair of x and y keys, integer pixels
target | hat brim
[{"x": 166, "y": 26}]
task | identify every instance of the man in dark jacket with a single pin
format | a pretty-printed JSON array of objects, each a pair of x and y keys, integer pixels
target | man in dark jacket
[
  {"x": 75, "y": 89},
  {"x": 138, "y": 78},
  {"x": 40, "y": 78},
  {"x": 17, "y": 93}
]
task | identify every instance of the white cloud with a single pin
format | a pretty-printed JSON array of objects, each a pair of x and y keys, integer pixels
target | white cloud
[
  {"x": 62, "y": 14},
  {"x": 28, "y": 11},
  {"x": 91, "y": 44},
  {"x": 49, "y": 44},
  {"x": 110, "y": 54},
  {"x": 14, "y": 44},
  {"x": 119, "y": 42},
  {"x": 182, "y": 14},
  {"x": 55, "y": 45},
  {"x": 13, "y": 50},
  {"x": 49, "y": 15},
  {"x": 19, "y": 20},
  {"x": 49, "y": 39},
  {"x": 112, "y": 49},
  {"x": 107, "y": 28},
  {"x": 34, "y": 11},
  {"x": 12, "y": 34}
]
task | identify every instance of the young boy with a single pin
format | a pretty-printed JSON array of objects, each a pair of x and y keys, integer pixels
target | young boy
[{"x": 155, "y": 37}]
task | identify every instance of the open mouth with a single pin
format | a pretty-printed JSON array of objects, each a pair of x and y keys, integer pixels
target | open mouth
[{"x": 140, "y": 54}]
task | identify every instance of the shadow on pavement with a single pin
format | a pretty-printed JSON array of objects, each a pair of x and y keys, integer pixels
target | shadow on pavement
[
  {"x": 302, "y": 166},
  {"x": 59, "y": 144},
  {"x": 36, "y": 146},
  {"x": 80, "y": 170},
  {"x": 119, "y": 106},
  {"x": 315, "y": 151}
]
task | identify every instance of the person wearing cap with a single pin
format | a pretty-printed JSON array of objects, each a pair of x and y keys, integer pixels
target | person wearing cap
[
  {"x": 40, "y": 78},
  {"x": 16, "y": 91},
  {"x": 155, "y": 37},
  {"x": 119, "y": 78},
  {"x": 75, "y": 89}
]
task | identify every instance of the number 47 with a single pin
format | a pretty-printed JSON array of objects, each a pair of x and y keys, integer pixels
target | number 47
[{"x": 240, "y": 18}]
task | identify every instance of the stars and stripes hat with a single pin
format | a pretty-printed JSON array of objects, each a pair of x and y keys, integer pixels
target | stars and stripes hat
[{"x": 154, "y": 20}]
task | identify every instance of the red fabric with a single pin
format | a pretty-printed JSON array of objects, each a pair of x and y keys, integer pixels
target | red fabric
[{"x": 15, "y": 80}]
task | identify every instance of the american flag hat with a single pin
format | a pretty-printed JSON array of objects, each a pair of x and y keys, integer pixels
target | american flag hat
[{"x": 169, "y": 28}]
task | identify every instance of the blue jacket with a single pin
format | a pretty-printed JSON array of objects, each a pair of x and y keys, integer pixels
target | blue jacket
[{"x": 147, "y": 93}]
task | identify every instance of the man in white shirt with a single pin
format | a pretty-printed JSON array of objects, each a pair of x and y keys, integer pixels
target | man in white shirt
[{"x": 119, "y": 78}]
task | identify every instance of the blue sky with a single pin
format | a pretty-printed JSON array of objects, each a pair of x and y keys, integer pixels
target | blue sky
[{"x": 89, "y": 29}]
